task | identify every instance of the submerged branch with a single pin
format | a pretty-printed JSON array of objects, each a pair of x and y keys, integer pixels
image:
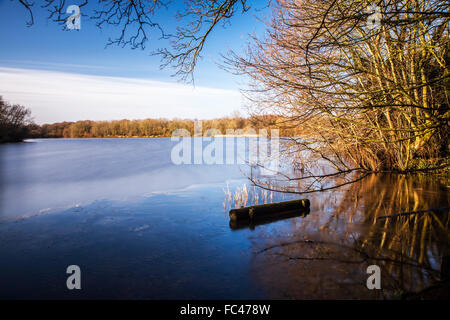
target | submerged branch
[{"x": 414, "y": 212}]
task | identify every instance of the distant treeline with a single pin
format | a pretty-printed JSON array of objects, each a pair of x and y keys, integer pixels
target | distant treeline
[
  {"x": 16, "y": 124},
  {"x": 149, "y": 127}
]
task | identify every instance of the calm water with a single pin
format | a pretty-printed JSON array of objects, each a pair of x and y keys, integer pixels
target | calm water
[{"x": 140, "y": 227}]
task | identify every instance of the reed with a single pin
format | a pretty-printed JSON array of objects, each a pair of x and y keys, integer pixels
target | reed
[{"x": 249, "y": 195}]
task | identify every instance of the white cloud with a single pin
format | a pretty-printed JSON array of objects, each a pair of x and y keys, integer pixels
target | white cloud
[{"x": 60, "y": 96}]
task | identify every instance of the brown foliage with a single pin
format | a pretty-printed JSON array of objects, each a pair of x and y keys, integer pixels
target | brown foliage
[{"x": 363, "y": 99}]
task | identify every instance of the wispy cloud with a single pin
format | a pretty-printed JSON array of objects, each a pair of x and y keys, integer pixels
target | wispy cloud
[
  {"x": 34, "y": 64},
  {"x": 61, "y": 96}
]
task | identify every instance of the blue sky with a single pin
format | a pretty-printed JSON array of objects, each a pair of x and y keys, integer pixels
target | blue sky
[{"x": 34, "y": 60}]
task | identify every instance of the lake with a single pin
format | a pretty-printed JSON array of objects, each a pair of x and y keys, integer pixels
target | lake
[{"x": 141, "y": 227}]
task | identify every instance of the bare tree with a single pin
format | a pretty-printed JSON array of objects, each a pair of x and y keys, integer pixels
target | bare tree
[
  {"x": 135, "y": 19},
  {"x": 14, "y": 120},
  {"x": 363, "y": 99}
]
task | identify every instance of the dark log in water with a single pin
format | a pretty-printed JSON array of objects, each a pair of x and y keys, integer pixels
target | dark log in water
[
  {"x": 270, "y": 209},
  {"x": 242, "y": 224}
]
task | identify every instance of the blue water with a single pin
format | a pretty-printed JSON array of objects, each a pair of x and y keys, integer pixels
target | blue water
[
  {"x": 136, "y": 224},
  {"x": 164, "y": 246},
  {"x": 45, "y": 174},
  {"x": 140, "y": 227}
]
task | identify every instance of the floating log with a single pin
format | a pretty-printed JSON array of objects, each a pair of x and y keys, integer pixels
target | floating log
[
  {"x": 264, "y": 210},
  {"x": 251, "y": 224}
]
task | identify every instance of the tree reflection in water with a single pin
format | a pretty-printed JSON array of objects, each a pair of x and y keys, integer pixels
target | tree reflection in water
[{"x": 326, "y": 254}]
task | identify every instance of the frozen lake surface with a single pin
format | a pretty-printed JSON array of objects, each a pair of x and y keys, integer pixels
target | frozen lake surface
[
  {"x": 140, "y": 227},
  {"x": 47, "y": 174}
]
